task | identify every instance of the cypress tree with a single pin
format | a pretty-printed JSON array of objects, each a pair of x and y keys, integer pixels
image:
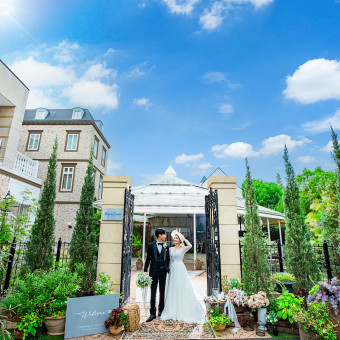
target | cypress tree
[
  {"x": 255, "y": 269},
  {"x": 83, "y": 248},
  {"x": 299, "y": 255},
  {"x": 39, "y": 252},
  {"x": 336, "y": 157}
]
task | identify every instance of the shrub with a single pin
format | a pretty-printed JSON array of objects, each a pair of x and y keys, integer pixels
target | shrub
[
  {"x": 287, "y": 305},
  {"x": 283, "y": 277}
]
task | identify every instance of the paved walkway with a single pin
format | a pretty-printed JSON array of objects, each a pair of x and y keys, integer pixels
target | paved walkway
[{"x": 199, "y": 282}]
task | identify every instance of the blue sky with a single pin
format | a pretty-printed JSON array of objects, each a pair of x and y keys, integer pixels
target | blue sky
[{"x": 195, "y": 83}]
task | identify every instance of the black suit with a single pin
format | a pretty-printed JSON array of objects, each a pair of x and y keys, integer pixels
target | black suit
[{"x": 159, "y": 267}]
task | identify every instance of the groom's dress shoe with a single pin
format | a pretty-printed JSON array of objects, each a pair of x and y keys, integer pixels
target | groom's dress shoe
[{"x": 151, "y": 317}]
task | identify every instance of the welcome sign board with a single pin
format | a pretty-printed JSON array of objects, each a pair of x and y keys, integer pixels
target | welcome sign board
[{"x": 86, "y": 315}]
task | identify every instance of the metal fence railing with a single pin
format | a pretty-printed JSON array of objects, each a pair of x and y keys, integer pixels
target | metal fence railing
[
  {"x": 327, "y": 256},
  {"x": 13, "y": 260}
]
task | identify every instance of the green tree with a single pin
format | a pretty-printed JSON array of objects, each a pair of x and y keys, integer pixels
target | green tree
[
  {"x": 299, "y": 255},
  {"x": 336, "y": 157},
  {"x": 311, "y": 185},
  {"x": 268, "y": 194},
  {"x": 39, "y": 253},
  {"x": 255, "y": 269},
  {"x": 83, "y": 248}
]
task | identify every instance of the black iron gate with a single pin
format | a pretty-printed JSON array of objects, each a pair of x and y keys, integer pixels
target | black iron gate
[
  {"x": 213, "y": 242},
  {"x": 127, "y": 246}
]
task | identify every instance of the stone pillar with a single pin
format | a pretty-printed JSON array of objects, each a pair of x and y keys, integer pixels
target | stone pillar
[
  {"x": 227, "y": 210},
  {"x": 111, "y": 232}
]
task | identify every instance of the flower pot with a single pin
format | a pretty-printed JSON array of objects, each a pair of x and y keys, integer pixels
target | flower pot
[
  {"x": 240, "y": 309},
  {"x": 18, "y": 334},
  {"x": 307, "y": 335},
  {"x": 287, "y": 285},
  {"x": 220, "y": 327},
  {"x": 261, "y": 318},
  {"x": 115, "y": 331},
  {"x": 199, "y": 266},
  {"x": 55, "y": 326},
  {"x": 139, "y": 265},
  {"x": 336, "y": 320}
]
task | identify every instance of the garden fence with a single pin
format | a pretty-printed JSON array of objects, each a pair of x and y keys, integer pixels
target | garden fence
[
  {"x": 12, "y": 260},
  {"x": 327, "y": 256}
]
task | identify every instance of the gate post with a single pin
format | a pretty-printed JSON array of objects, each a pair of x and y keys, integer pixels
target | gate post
[
  {"x": 229, "y": 240},
  {"x": 111, "y": 227}
]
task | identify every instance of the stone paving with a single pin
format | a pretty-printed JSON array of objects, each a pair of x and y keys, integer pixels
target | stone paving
[{"x": 199, "y": 282}]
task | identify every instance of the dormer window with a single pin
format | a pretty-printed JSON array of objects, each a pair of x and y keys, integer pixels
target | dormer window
[
  {"x": 41, "y": 113},
  {"x": 77, "y": 113}
]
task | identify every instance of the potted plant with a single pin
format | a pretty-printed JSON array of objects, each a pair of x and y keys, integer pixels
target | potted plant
[
  {"x": 239, "y": 299},
  {"x": 117, "y": 318},
  {"x": 28, "y": 325},
  {"x": 287, "y": 305},
  {"x": 136, "y": 244},
  {"x": 315, "y": 322},
  {"x": 328, "y": 294},
  {"x": 272, "y": 319},
  {"x": 260, "y": 302},
  {"x": 230, "y": 284},
  {"x": 218, "y": 321},
  {"x": 139, "y": 262},
  {"x": 55, "y": 317},
  {"x": 284, "y": 280},
  {"x": 199, "y": 264}
]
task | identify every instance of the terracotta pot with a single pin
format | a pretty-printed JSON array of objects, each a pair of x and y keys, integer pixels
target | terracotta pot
[
  {"x": 220, "y": 327},
  {"x": 199, "y": 266},
  {"x": 139, "y": 264},
  {"x": 307, "y": 335},
  {"x": 55, "y": 326},
  {"x": 116, "y": 331},
  {"x": 18, "y": 334}
]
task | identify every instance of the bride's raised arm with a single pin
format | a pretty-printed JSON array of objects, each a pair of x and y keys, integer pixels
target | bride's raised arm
[{"x": 188, "y": 245}]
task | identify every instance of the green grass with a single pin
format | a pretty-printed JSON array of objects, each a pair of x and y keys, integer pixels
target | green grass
[{"x": 283, "y": 335}]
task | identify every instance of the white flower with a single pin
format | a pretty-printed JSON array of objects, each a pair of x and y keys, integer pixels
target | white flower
[{"x": 165, "y": 245}]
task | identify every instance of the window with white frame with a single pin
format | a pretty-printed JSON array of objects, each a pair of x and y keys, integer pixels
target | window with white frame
[
  {"x": 33, "y": 141},
  {"x": 72, "y": 141},
  {"x": 95, "y": 147},
  {"x": 100, "y": 189},
  {"x": 67, "y": 178},
  {"x": 41, "y": 113},
  {"x": 103, "y": 156},
  {"x": 77, "y": 113}
]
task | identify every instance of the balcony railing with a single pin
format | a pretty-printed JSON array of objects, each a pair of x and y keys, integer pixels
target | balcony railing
[{"x": 26, "y": 165}]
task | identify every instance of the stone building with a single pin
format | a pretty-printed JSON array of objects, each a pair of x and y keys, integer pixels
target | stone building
[
  {"x": 17, "y": 171},
  {"x": 77, "y": 131}
]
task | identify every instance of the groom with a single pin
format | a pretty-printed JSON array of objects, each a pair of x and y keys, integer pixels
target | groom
[{"x": 159, "y": 259}]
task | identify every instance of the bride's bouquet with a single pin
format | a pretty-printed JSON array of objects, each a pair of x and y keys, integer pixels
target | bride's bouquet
[{"x": 144, "y": 282}]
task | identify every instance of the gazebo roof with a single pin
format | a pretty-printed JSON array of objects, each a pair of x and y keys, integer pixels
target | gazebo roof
[{"x": 169, "y": 194}]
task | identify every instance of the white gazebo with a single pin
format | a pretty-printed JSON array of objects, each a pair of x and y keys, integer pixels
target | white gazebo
[{"x": 171, "y": 196}]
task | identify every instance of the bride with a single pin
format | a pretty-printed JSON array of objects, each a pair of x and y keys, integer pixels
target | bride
[{"x": 181, "y": 303}]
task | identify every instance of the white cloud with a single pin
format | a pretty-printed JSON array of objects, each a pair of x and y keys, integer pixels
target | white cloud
[
  {"x": 99, "y": 71},
  {"x": 225, "y": 108},
  {"x": 181, "y": 6},
  {"x": 315, "y": 80},
  {"x": 142, "y": 102},
  {"x": 276, "y": 144},
  {"x": 328, "y": 147},
  {"x": 56, "y": 79},
  {"x": 38, "y": 98},
  {"x": 64, "y": 51},
  {"x": 113, "y": 167},
  {"x": 41, "y": 74},
  {"x": 212, "y": 18},
  {"x": 238, "y": 150},
  {"x": 214, "y": 77},
  {"x": 92, "y": 93},
  {"x": 305, "y": 159},
  {"x": 271, "y": 145},
  {"x": 322, "y": 125},
  {"x": 111, "y": 51},
  {"x": 183, "y": 158}
]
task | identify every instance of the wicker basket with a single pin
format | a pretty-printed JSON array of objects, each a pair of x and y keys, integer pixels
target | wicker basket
[{"x": 133, "y": 317}]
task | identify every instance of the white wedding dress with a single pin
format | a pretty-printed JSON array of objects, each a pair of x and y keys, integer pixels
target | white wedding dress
[{"x": 181, "y": 303}]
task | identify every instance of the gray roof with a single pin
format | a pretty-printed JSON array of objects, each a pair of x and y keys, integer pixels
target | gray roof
[{"x": 58, "y": 115}]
